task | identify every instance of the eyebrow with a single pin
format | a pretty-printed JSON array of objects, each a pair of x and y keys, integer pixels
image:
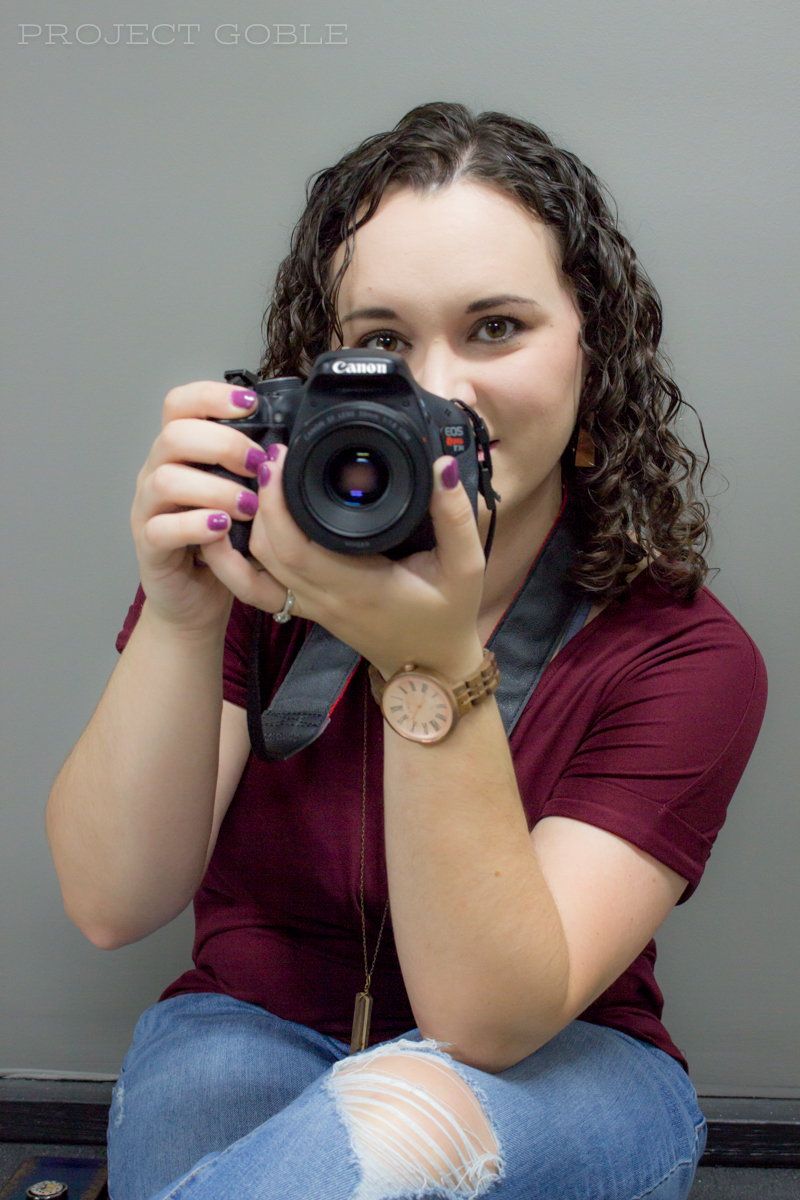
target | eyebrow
[
  {"x": 388, "y": 314},
  {"x": 497, "y": 302},
  {"x": 371, "y": 314}
]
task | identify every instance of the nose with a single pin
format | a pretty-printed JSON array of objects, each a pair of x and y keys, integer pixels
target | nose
[{"x": 437, "y": 369}]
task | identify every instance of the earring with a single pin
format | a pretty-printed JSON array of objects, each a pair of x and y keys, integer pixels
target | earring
[{"x": 584, "y": 448}]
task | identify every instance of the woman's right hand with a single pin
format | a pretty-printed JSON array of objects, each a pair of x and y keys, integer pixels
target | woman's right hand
[{"x": 178, "y": 508}]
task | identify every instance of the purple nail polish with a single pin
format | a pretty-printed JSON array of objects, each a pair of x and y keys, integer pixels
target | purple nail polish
[
  {"x": 254, "y": 458},
  {"x": 264, "y": 475},
  {"x": 243, "y": 399},
  {"x": 450, "y": 474},
  {"x": 247, "y": 502},
  {"x": 272, "y": 452},
  {"x": 218, "y": 521}
]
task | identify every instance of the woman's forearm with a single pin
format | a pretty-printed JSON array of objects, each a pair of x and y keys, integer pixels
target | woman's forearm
[
  {"x": 480, "y": 941},
  {"x": 130, "y": 814}
]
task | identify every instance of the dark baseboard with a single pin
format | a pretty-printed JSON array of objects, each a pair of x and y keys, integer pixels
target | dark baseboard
[
  {"x": 742, "y": 1132},
  {"x": 54, "y": 1112}
]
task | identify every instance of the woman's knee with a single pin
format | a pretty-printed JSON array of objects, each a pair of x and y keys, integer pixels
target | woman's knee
[{"x": 414, "y": 1124}]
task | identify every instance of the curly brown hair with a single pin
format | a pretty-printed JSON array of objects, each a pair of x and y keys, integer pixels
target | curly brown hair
[{"x": 644, "y": 495}]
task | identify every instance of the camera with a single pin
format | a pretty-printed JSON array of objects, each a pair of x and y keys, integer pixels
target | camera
[{"x": 362, "y": 438}]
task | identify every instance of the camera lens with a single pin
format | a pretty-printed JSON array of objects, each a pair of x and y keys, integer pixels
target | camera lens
[{"x": 357, "y": 477}]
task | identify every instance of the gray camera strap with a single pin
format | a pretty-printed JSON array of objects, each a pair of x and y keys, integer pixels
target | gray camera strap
[{"x": 545, "y": 613}]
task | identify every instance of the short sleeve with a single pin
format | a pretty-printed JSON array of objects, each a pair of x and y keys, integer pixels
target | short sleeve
[
  {"x": 237, "y": 653},
  {"x": 670, "y": 735}
]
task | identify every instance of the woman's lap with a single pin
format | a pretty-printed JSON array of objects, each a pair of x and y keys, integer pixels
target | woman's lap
[
  {"x": 203, "y": 1071},
  {"x": 593, "y": 1114}
]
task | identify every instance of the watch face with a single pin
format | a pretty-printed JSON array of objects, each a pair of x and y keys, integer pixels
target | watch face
[{"x": 418, "y": 708}]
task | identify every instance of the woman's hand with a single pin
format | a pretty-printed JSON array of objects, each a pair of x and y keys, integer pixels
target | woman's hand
[
  {"x": 422, "y": 609},
  {"x": 178, "y": 509}
]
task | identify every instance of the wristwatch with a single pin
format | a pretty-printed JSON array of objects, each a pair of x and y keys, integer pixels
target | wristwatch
[{"x": 423, "y": 706}]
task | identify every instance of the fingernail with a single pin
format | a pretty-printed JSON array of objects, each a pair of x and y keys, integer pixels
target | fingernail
[
  {"x": 272, "y": 452},
  {"x": 243, "y": 399},
  {"x": 218, "y": 521},
  {"x": 264, "y": 475},
  {"x": 450, "y": 475},
  {"x": 247, "y": 502},
  {"x": 254, "y": 458}
]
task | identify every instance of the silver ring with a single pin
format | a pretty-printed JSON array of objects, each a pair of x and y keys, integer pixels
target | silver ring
[{"x": 286, "y": 612}]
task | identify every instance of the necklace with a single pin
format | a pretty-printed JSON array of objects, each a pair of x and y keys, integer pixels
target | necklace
[{"x": 362, "y": 1013}]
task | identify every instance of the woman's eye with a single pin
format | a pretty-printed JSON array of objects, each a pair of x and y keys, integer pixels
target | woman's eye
[
  {"x": 385, "y": 340},
  {"x": 497, "y": 329}
]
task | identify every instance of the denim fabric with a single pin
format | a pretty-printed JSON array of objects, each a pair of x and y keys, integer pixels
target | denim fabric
[{"x": 220, "y": 1100}]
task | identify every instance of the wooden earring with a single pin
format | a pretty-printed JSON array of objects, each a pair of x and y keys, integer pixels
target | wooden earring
[{"x": 584, "y": 448}]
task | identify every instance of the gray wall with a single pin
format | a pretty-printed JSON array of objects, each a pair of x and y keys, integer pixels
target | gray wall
[{"x": 149, "y": 194}]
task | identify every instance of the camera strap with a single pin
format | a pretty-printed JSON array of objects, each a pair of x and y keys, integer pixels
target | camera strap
[{"x": 544, "y": 614}]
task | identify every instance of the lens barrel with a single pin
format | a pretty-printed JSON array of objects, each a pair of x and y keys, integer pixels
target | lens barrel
[{"x": 357, "y": 479}]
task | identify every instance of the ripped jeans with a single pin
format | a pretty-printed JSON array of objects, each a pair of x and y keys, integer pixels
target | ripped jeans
[{"x": 220, "y": 1100}]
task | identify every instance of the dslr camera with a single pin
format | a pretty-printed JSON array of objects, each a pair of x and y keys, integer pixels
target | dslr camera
[{"x": 362, "y": 438}]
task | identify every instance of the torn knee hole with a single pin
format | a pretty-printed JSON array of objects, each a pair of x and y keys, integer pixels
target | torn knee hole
[{"x": 415, "y": 1125}]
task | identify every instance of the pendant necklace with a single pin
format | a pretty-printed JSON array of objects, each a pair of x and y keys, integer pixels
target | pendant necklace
[{"x": 362, "y": 1013}]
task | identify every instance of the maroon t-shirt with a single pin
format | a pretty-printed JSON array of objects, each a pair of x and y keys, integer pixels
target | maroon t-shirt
[{"x": 641, "y": 725}]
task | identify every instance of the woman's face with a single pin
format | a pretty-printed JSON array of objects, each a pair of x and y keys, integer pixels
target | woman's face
[{"x": 463, "y": 284}]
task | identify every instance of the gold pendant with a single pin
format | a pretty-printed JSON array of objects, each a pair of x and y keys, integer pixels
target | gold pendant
[{"x": 362, "y": 1015}]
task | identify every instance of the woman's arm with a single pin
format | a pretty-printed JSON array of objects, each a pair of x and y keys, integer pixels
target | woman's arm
[
  {"x": 504, "y": 937},
  {"x": 134, "y": 813}
]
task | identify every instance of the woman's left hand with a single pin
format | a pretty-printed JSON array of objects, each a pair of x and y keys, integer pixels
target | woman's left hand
[{"x": 422, "y": 609}]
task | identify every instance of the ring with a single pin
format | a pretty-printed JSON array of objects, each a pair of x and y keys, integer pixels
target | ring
[{"x": 286, "y": 612}]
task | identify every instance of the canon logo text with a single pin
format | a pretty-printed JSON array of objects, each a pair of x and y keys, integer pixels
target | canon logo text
[{"x": 342, "y": 367}]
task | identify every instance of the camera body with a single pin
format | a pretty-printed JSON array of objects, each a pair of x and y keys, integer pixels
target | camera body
[{"x": 362, "y": 438}]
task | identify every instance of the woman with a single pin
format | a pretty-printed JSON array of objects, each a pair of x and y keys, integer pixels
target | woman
[{"x": 525, "y": 878}]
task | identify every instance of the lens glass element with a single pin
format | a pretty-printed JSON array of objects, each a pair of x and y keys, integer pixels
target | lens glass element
[{"x": 357, "y": 477}]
